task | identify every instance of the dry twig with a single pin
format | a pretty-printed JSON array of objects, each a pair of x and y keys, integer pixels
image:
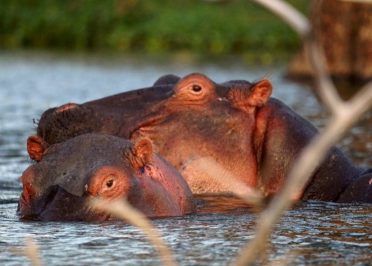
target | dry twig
[
  {"x": 358, "y": 1},
  {"x": 123, "y": 210},
  {"x": 210, "y": 167},
  {"x": 344, "y": 114},
  {"x": 30, "y": 250}
]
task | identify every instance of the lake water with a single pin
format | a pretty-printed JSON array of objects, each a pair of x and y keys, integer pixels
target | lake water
[{"x": 311, "y": 233}]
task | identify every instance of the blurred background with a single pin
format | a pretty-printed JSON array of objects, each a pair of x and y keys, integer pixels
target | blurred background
[
  {"x": 193, "y": 30},
  {"x": 185, "y": 28}
]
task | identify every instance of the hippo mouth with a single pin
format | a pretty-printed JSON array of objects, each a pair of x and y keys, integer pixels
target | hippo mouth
[
  {"x": 147, "y": 125},
  {"x": 57, "y": 205}
]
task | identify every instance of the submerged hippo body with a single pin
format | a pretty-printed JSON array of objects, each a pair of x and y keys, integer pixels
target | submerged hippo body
[
  {"x": 97, "y": 165},
  {"x": 253, "y": 137}
]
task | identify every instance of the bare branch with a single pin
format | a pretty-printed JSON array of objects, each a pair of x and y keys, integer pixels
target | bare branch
[
  {"x": 362, "y": 97},
  {"x": 31, "y": 251},
  {"x": 210, "y": 167},
  {"x": 325, "y": 88},
  {"x": 358, "y": 1},
  {"x": 309, "y": 159},
  {"x": 344, "y": 114},
  {"x": 123, "y": 210},
  {"x": 296, "y": 20}
]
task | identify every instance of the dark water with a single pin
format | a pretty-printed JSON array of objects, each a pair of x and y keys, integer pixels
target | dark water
[{"x": 311, "y": 233}]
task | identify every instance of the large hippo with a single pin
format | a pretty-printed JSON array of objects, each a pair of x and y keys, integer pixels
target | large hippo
[
  {"x": 71, "y": 173},
  {"x": 252, "y": 136}
]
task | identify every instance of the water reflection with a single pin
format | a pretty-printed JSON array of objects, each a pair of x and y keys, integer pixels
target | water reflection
[{"x": 311, "y": 233}]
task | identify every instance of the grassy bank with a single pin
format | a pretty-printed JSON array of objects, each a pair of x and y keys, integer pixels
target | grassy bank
[{"x": 156, "y": 26}]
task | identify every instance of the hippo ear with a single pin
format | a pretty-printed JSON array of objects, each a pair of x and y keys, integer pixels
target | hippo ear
[
  {"x": 167, "y": 80},
  {"x": 261, "y": 92},
  {"x": 36, "y": 147},
  {"x": 248, "y": 98},
  {"x": 141, "y": 152}
]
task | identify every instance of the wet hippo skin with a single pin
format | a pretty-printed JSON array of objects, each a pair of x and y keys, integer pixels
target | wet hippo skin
[
  {"x": 254, "y": 137},
  {"x": 69, "y": 174}
]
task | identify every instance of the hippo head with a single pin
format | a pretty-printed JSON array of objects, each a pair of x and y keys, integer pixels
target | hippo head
[
  {"x": 204, "y": 119},
  {"x": 113, "y": 115},
  {"x": 70, "y": 173},
  {"x": 82, "y": 119}
]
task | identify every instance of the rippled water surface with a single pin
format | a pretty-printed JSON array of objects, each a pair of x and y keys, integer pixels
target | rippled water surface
[{"x": 311, "y": 233}]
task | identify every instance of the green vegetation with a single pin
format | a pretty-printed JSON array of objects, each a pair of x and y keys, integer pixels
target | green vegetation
[{"x": 150, "y": 26}]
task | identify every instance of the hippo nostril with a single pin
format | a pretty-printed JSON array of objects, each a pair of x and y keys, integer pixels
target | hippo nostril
[
  {"x": 28, "y": 194},
  {"x": 51, "y": 195},
  {"x": 28, "y": 191}
]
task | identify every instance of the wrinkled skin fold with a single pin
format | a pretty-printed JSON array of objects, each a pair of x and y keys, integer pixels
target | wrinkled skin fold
[
  {"x": 70, "y": 174},
  {"x": 254, "y": 137}
]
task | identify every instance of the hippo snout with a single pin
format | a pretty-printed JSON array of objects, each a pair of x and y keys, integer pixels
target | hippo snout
[
  {"x": 56, "y": 204},
  {"x": 60, "y": 205}
]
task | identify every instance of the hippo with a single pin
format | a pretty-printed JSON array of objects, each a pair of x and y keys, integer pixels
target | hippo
[
  {"x": 70, "y": 174},
  {"x": 253, "y": 136}
]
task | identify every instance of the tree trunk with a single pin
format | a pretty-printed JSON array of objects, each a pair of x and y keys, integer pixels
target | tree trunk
[{"x": 344, "y": 30}]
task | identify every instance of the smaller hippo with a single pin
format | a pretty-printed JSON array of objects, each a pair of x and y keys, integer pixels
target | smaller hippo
[{"x": 69, "y": 174}]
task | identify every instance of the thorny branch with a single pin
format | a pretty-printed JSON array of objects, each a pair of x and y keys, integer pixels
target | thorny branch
[{"x": 344, "y": 114}]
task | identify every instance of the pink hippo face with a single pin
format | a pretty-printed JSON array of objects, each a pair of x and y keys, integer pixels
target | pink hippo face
[{"x": 59, "y": 186}]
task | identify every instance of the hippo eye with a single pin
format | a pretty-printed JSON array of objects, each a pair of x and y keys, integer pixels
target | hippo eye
[
  {"x": 110, "y": 183},
  {"x": 196, "y": 88}
]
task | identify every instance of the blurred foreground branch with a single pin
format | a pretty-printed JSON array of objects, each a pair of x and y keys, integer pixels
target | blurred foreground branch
[
  {"x": 358, "y": 1},
  {"x": 209, "y": 166},
  {"x": 123, "y": 210},
  {"x": 31, "y": 251},
  {"x": 344, "y": 114}
]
